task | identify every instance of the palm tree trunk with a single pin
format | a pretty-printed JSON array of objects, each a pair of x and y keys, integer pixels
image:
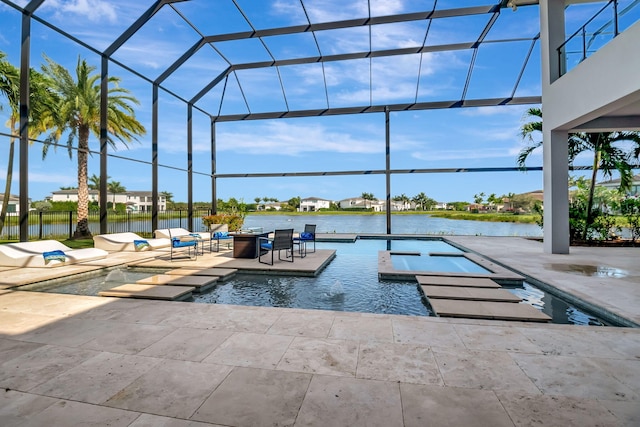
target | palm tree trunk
[
  {"x": 592, "y": 188},
  {"x": 7, "y": 189},
  {"x": 82, "y": 229}
]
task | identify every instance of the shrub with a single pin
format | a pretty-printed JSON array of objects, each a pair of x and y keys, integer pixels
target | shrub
[
  {"x": 630, "y": 208},
  {"x": 234, "y": 222}
]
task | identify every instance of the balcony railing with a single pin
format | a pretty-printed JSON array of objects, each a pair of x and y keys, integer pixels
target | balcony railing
[{"x": 613, "y": 18}]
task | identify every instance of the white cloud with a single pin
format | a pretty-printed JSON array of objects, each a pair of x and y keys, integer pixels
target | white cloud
[
  {"x": 471, "y": 153},
  {"x": 291, "y": 140},
  {"x": 54, "y": 179},
  {"x": 93, "y": 10}
]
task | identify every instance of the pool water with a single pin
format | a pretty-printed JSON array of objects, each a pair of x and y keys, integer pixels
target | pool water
[
  {"x": 91, "y": 285},
  {"x": 426, "y": 262},
  {"x": 350, "y": 283}
]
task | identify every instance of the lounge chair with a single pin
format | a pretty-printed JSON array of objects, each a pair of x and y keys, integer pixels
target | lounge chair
[
  {"x": 45, "y": 253},
  {"x": 128, "y": 242},
  {"x": 307, "y": 236},
  {"x": 282, "y": 240},
  {"x": 168, "y": 233}
]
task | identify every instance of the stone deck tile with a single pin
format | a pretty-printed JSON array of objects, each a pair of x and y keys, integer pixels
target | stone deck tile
[
  {"x": 321, "y": 356},
  {"x": 487, "y": 370},
  {"x": 452, "y": 406},
  {"x": 250, "y": 350},
  {"x": 17, "y": 408},
  {"x": 527, "y": 410},
  {"x": 176, "y": 388},
  {"x": 97, "y": 379},
  {"x": 404, "y": 363},
  {"x": 40, "y": 365},
  {"x": 256, "y": 397},
  {"x": 69, "y": 413},
  {"x": 303, "y": 323},
  {"x": 435, "y": 333},
  {"x": 584, "y": 342},
  {"x": 362, "y": 327},
  {"x": 574, "y": 377},
  {"x": 128, "y": 338},
  {"x": 336, "y": 401},
  {"x": 479, "y": 337},
  {"x": 187, "y": 344}
]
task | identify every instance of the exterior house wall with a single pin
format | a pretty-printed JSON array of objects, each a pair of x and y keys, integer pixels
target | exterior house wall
[
  {"x": 13, "y": 208},
  {"x": 634, "y": 191},
  {"x": 136, "y": 201},
  {"x": 312, "y": 204}
]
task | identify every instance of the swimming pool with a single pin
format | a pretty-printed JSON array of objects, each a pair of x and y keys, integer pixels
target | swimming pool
[{"x": 349, "y": 283}]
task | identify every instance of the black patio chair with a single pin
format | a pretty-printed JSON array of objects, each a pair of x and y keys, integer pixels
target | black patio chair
[
  {"x": 282, "y": 240},
  {"x": 307, "y": 236}
]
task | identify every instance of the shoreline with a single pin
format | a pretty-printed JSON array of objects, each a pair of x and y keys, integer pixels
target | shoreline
[{"x": 457, "y": 215}]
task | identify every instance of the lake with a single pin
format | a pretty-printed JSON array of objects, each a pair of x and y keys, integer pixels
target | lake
[{"x": 400, "y": 224}]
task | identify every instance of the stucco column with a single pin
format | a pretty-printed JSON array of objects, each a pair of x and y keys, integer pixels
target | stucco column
[
  {"x": 556, "y": 192},
  {"x": 555, "y": 151}
]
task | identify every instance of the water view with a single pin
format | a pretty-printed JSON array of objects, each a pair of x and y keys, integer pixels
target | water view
[{"x": 400, "y": 224}]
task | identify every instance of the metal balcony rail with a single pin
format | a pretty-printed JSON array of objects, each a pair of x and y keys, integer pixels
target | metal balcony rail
[{"x": 585, "y": 41}]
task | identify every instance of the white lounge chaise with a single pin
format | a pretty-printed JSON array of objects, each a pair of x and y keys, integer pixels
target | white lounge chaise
[
  {"x": 32, "y": 254},
  {"x": 178, "y": 232},
  {"x": 126, "y": 242}
]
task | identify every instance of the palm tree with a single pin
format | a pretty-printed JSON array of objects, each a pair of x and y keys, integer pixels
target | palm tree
[
  {"x": 94, "y": 182},
  {"x": 606, "y": 158},
  {"x": 40, "y": 98},
  {"x": 404, "y": 199},
  {"x": 368, "y": 196},
  {"x": 78, "y": 112},
  {"x": 423, "y": 200},
  {"x": 114, "y": 187}
]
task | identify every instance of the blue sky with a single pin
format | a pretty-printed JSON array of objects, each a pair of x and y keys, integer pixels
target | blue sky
[{"x": 448, "y": 138}]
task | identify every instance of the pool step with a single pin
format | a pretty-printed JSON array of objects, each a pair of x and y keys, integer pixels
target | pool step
[
  {"x": 199, "y": 283},
  {"x": 166, "y": 293},
  {"x": 476, "y": 298},
  {"x": 466, "y": 282},
  {"x": 223, "y": 274},
  {"x": 487, "y": 310},
  {"x": 474, "y": 294}
]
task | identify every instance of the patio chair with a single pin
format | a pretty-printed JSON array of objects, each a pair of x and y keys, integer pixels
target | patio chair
[
  {"x": 219, "y": 233},
  {"x": 307, "y": 236},
  {"x": 182, "y": 242},
  {"x": 282, "y": 240}
]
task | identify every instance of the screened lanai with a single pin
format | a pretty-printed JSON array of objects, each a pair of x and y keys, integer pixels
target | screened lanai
[{"x": 237, "y": 93}]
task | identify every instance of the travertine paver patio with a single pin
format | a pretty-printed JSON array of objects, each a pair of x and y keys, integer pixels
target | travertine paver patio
[{"x": 69, "y": 360}]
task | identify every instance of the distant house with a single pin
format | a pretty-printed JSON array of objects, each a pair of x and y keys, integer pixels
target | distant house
[
  {"x": 312, "y": 204},
  {"x": 510, "y": 205},
  {"x": 360, "y": 203},
  {"x": 13, "y": 208},
  {"x": 613, "y": 184},
  {"x": 441, "y": 206},
  {"x": 271, "y": 206},
  {"x": 136, "y": 201}
]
